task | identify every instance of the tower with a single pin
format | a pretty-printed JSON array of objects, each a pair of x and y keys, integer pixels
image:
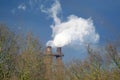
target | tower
[
  {"x": 48, "y": 63},
  {"x": 48, "y": 60}
]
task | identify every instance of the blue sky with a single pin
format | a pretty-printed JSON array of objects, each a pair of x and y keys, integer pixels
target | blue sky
[{"x": 104, "y": 13}]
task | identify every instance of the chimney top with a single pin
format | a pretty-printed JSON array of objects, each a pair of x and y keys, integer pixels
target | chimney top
[
  {"x": 48, "y": 49},
  {"x": 59, "y": 50}
]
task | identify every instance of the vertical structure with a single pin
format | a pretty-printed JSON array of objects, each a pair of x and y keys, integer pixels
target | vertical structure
[
  {"x": 48, "y": 63},
  {"x": 59, "y": 57},
  {"x": 59, "y": 64}
]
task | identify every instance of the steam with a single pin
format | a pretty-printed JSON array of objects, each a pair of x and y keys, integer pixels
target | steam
[
  {"x": 74, "y": 31},
  {"x": 53, "y": 12}
]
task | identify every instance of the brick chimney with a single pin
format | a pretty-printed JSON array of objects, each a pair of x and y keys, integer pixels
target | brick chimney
[
  {"x": 59, "y": 55},
  {"x": 48, "y": 63}
]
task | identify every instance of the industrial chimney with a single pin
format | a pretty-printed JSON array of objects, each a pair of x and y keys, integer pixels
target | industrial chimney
[
  {"x": 59, "y": 55},
  {"x": 58, "y": 50},
  {"x": 48, "y": 63},
  {"x": 60, "y": 71}
]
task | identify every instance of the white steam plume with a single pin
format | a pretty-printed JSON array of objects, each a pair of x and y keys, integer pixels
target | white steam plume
[
  {"x": 53, "y": 11},
  {"x": 75, "y": 30}
]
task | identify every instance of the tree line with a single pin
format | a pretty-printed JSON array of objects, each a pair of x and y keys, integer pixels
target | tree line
[{"x": 22, "y": 58}]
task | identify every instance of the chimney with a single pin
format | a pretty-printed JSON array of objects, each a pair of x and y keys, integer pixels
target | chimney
[
  {"x": 58, "y": 50},
  {"x": 59, "y": 63},
  {"x": 48, "y": 50},
  {"x": 48, "y": 63},
  {"x": 59, "y": 55}
]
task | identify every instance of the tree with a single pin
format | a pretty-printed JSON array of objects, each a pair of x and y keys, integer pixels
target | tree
[
  {"x": 29, "y": 61},
  {"x": 8, "y": 49}
]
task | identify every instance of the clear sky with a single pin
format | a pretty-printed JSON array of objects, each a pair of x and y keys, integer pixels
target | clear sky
[{"x": 25, "y": 15}]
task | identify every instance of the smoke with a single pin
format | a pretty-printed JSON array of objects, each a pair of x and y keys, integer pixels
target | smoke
[{"x": 75, "y": 31}]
